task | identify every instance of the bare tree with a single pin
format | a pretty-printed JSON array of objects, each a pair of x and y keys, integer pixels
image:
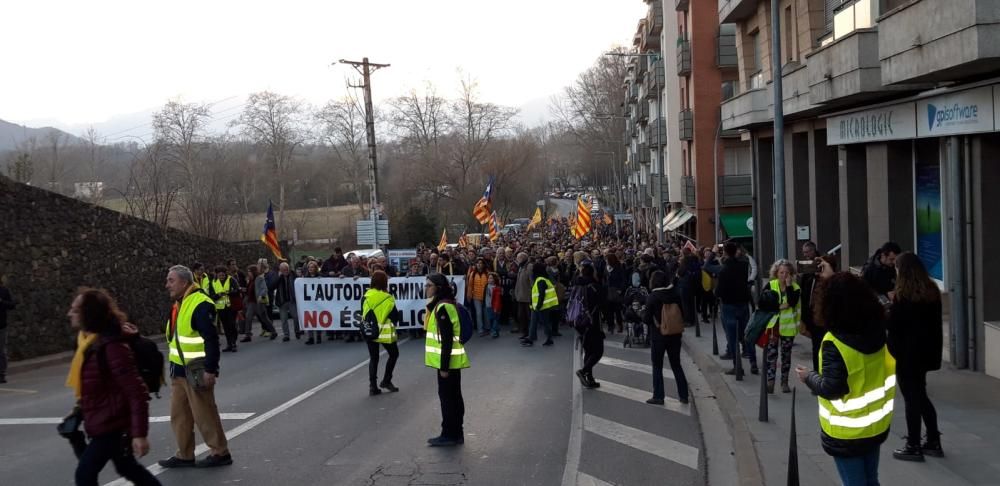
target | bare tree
[
  {"x": 151, "y": 190},
  {"x": 274, "y": 123},
  {"x": 476, "y": 124},
  {"x": 55, "y": 142},
  {"x": 20, "y": 166},
  {"x": 342, "y": 128},
  {"x": 96, "y": 160}
]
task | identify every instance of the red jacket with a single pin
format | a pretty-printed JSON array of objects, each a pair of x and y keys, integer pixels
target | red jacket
[
  {"x": 496, "y": 300},
  {"x": 114, "y": 399}
]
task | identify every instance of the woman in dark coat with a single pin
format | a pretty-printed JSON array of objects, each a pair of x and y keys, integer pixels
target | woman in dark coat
[
  {"x": 915, "y": 329},
  {"x": 663, "y": 292},
  {"x": 113, "y": 399}
]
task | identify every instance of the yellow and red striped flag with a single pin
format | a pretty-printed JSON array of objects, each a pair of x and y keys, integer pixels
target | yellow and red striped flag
[
  {"x": 607, "y": 219},
  {"x": 484, "y": 206},
  {"x": 494, "y": 227},
  {"x": 270, "y": 234},
  {"x": 582, "y": 226},
  {"x": 444, "y": 240},
  {"x": 536, "y": 219},
  {"x": 463, "y": 241}
]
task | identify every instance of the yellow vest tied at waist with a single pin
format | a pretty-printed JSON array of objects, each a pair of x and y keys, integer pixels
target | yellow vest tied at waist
[
  {"x": 222, "y": 290},
  {"x": 551, "y": 297},
  {"x": 432, "y": 344},
  {"x": 866, "y": 410},
  {"x": 186, "y": 338},
  {"x": 383, "y": 304},
  {"x": 788, "y": 318}
]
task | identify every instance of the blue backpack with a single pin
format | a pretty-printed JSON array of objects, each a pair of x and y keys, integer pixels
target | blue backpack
[{"x": 466, "y": 323}]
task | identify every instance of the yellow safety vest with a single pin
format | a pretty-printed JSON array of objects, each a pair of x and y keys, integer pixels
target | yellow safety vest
[
  {"x": 222, "y": 290},
  {"x": 789, "y": 318},
  {"x": 866, "y": 410},
  {"x": 187, "y": 338},
  {"x": 384, "y": 303},
  {"x": 203, "y": 283},
  {"x": 551, "y": 297},
  {"x": 432, "y": 345}
]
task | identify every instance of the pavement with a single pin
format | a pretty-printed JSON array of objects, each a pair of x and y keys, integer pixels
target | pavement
[
  {"x": 966, "y": 404},
  {"x": 298, "y": 414}
]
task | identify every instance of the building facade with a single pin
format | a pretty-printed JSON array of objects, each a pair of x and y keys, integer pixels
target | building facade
[{"x": 891, "y": 133}]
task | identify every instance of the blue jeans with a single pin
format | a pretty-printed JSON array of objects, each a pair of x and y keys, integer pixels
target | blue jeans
[
  {"x": 734, "y": 322},
  {"x": 860, "y": 470},
  {"x": 493, "y": 318},
  {"x": 539, "y": 319},
  {"x": 479, "y": 314}
]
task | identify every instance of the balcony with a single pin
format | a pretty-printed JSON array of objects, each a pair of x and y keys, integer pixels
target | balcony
[
  {"x": 643, "y": 111},
  {"x": 654, "y": 19},
  {"x": 633, "y": 92},
  {"x": 924, "y": 41},
  {"x": 683, "y": 57},
  {"x": 749, "y": 108},
  {"x": 725, "y": 54},
  {"x": 736, "y": 10},
  {"x": 735, "y": 190},
  {"x": 685, "y": 125},
  {"x": 655, "y": 80},
  {"x": 846, "y": 70},
  {"x": 656, "y": 132},
  {"x": 642, "y": 154},
  {"x": 688, "y": 191},
  {"x": 682, "y": 5}
]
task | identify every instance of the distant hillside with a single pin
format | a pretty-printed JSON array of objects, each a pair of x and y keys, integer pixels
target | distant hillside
[{"x": 12, "y": 134}]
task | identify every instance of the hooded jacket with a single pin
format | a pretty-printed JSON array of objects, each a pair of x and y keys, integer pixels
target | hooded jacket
[
  {"x": 114, "y": 398},
  {"x": 832, "y": 384}
]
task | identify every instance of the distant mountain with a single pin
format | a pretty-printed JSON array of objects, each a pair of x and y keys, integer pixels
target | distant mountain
[{"x": 12, "y": 134}]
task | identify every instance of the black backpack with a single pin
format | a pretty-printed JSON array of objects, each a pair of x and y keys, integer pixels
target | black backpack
[{"x": 148, "y": 360}]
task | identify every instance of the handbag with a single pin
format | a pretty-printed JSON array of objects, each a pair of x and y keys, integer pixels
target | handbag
[{"x": 194, "y": 371}]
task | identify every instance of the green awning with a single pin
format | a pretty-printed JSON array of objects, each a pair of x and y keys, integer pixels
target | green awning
[{"x": 738, "y": 225}]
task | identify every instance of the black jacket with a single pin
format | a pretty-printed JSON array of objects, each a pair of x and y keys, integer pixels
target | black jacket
[
  {"x": 880, "y": 277},
  {"x": 732, "y": 286},
  {"x": 809, "y": 282},
  {"x": 594, "y": 301},
  {"x": 6, "y": 303},
  {"x": 284, "y": 289},
  {"x": 654, "y": 305},
  {"x": 832, "y": 384},
  {"x": 915, "y": 340}
]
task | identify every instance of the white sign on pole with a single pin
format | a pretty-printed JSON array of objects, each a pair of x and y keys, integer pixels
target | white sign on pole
[
  {"x": 334, "y": 304},
  {"x": 366, "y": 232},
  {"x": 623, "y": 217}
]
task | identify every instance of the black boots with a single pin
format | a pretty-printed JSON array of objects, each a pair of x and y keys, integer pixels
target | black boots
[
  {"x": 909, "y": 452},
  {"x": 388, "y": 386},
  {"x": 932, "y": 447},
  {"x": 587, "y": 379}
]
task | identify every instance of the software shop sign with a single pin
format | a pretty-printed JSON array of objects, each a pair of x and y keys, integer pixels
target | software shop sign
[{"x": 959, "y": 113}]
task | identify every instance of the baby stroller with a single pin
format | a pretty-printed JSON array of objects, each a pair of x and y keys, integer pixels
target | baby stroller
[{"x": 634, "y": 301}]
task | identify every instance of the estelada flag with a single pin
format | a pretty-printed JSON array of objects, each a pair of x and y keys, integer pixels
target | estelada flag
[
  {"x": 463, "y": 241},
  {"x": 607, "y": 219},
  {"x": 690, "y": 246},
  {"x": 270, "y": 235},
  {"x": 484, "y": 206},
  {"x": 444, "y": 240}
]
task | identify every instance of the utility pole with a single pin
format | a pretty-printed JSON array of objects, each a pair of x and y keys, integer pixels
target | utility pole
[
  {"x": 780, "y": 232},
  {"x": 366, "y": 68}
]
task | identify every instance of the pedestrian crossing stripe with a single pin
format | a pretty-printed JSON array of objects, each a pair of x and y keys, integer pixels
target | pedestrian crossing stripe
[
  {"x": 629, "y": 365},
  {"x": 638, "y": 395},
  {"x": 663, "y": 447}
]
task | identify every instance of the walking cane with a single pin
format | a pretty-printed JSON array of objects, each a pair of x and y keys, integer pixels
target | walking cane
[{"x": 793, "y": 453}]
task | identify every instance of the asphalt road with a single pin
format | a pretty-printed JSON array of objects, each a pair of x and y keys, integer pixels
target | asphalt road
[
  {"x": 563, "y": 207},
  {"x": 307, "y": 419}
]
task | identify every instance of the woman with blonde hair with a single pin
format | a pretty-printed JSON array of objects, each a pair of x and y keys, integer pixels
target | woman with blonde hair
[{"x": 785, "y": 325}]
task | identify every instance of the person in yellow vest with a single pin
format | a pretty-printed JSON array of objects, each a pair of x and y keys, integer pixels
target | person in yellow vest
[
  {"x": 200, "y": 277},
  {"x": 785, "y": 325},
  {"x": 856, "y": 380},
  {"x": 382, "y": 305},
  {"x": 444, "y": 352},
  {"x": 543, "y": 300},
  {"x": 191, "y": 339},
  {"x": 219, "y": 290}
]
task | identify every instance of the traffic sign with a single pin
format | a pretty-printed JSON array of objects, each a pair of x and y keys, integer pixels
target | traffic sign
[
  {"x": 623, "y": 217},
  {"x": 366, "y": 230}
]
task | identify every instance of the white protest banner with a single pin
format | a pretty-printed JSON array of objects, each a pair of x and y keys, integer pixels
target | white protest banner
[{"x": 334, "y": 304}]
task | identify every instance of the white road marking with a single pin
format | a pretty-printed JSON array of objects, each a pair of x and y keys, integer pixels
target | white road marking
[
  {"x": 668, "y": 449},
  {"x": 584, "y": 479},
  {"x": 638, "y": 395},
  {"x": 202, "y": 448},
  {"x": 152, "y": 420},
  {"x": 570, "y": 473},
  {"x": 18, "y": 390},
  {"x": 629, "y": 365}
]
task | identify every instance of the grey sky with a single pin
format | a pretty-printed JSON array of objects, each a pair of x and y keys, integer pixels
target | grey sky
[{"x": 70, "y": 62}]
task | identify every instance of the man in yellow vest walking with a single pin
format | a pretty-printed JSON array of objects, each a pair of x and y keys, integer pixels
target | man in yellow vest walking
[
  {"x": 194, "y": 353},
  {"x": 444, "y": 352}
]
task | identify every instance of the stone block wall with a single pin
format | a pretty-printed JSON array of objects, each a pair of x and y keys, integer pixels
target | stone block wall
[{"x": 51, "y": 244}]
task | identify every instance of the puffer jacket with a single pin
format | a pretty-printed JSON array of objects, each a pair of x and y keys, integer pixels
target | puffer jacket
[
  {"x": 832, "y": 384},
  {"x": 114, "y": 398}
]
